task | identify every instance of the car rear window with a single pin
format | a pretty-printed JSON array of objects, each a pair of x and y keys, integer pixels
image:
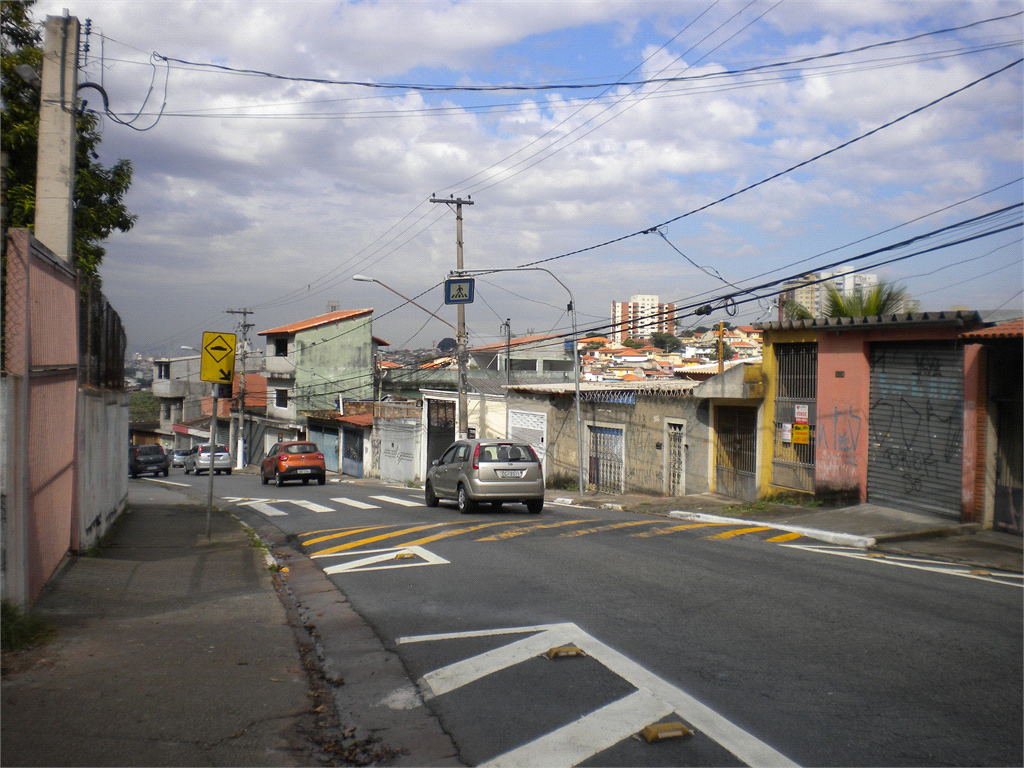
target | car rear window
[
  {"x": 507, "y": 452},
  {"x": 220, "y": 449},
  {"x": 301, "y": 448},
  {"x": 150, "y": 450}
]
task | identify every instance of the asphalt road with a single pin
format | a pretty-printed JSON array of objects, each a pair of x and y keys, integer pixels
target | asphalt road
[{"x": 773, "y": 650}]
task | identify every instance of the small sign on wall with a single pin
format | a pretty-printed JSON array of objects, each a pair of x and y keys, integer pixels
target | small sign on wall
[
  {"x": 801, "y": 434},
  {"x": 787, "y": 433}
]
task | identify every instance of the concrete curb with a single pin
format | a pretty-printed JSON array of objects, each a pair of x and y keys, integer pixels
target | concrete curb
[{"x": 832, "y": 537}]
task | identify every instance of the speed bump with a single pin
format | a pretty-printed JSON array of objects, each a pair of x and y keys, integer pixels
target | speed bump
[
  {"x": 564, "y": 650},
  {"x": 660, "y": 731}
]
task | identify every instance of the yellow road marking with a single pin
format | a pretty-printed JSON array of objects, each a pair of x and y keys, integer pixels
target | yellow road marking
[
  {"x": 372, "y": 539},
  {"x": 739, "y": 532},
  {"x": 523, "y": 531},
  {"x": 456, "y": 532},
  {"x": 674, "y": 528},
  {"x": 611, "y": 527},
  {"x": 785, "y": 537},
  {"x": 344, "y": 532}
]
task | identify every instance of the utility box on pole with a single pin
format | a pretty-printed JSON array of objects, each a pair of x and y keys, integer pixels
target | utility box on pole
[{"x": 55, "y": 172}]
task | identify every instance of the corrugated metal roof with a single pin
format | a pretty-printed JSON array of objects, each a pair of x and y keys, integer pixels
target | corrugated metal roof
[
  {"x": 315, "y": 322},
  {"x": 1012, "y": 330}
]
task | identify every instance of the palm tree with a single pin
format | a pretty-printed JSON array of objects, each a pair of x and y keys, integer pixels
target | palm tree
[{"x": 883, "y": 299}]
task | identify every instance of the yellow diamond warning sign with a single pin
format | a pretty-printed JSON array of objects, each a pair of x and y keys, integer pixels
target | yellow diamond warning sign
[{"x": 217, "y": 363}]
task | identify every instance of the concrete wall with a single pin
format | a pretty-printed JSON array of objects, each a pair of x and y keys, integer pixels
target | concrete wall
[
  {"x": 341, "y": 354},
  {"x": 102, "y": 463},
  {"x": 645, "y": 429}
]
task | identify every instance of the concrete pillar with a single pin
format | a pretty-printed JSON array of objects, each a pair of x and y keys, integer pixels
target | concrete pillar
[{"x": 55, "y": 170}]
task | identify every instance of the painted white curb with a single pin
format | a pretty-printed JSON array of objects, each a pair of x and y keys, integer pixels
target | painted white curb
[{"x": 832, "y": 537}]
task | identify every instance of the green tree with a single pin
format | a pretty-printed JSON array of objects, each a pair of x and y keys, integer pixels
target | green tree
[
  {"x": 883, "y": 299},
  {"x": 633, "y": 344},
  {"x": 143, "y": 406},
  {"x": 99, "y": 192},
  {"x": 728, "y": 353},
  {"x": 666, "y": 341}
]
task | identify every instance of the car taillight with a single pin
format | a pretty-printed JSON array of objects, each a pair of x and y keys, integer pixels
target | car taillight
[
  {"x": 476, "y": 457},
  {"x": 533, "y": 453},
  {"x": 320, "y": 456},
  {"x": 284, "y": 457}
]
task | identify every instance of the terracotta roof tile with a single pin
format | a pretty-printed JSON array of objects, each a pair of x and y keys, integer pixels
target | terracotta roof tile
[
  {"x": 315, "y": 322},
  {"x": 1011, "y": 330}
]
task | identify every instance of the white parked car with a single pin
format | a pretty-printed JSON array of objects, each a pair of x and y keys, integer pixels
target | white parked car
[{"x": 198, "y": 460}]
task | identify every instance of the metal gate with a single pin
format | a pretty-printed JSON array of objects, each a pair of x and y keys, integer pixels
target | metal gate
[
  {"x": 736, "y": 465},
  {"x": 398, "y": 449},
  {"x": 326, "y": 440},
  {"x": 529, "y": 427},
  {"x": 916, "y": 426},
  {"x": 352, "y": 452},
  {"x": 606, "y": 459},
  {"x": 440, "y": 428},
  {"x": 792, "y": 460},
  {"x": 676, "y": 459}
]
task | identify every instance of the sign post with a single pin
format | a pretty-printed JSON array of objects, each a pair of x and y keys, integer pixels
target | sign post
[{"x": 217, "y": 365}]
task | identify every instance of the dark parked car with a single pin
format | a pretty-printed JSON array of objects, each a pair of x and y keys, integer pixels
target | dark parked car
[
  {"x": 143, "y": 459},
  {"x": 496, "y": 471},
  {"x": 296, "y": 460}
]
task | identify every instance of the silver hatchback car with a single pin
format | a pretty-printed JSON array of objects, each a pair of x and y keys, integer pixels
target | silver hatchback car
[{"x": 495, "y": 471}]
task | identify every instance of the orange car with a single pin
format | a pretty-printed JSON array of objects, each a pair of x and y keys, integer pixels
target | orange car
[{"x": 297, "y": 460}]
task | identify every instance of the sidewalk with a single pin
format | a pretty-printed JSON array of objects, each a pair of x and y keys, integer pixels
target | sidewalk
[
  {"x": 177, "y": 650},
  {"x": 863, "y": 525}
]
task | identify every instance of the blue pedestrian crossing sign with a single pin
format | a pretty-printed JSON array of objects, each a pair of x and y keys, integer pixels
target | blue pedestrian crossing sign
[{"x": 459, "y": 290}]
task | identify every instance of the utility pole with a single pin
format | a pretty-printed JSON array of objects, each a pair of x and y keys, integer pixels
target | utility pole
[
  {"x": 55, "y": 172},
  {"x": 240, "y": 457},
  {"x": 721, "y": 362},
  {"x": 460, "y": 338},
  {"x": 507, "y": 326}
]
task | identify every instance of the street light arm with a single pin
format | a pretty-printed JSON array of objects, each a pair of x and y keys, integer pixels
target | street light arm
[{"x": 365, "y": 279}]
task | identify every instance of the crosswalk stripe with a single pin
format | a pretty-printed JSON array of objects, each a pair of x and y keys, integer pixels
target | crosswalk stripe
[
  {"x": 455, "y": 532},
  {"x": 674, "y": 528},
  {"x": 373, "y": 539},
  {"x": 311, "y": 506},
  {"x": 266, "y": 509},
  {"x": 739, "y": 532},
  {"x": 612, "y": 527},
  {"x": 785, "y": 537},
  {"x": 331, "y": 535},
  {"x": 403, "y": 502},
  {"x": 354, "y": 503},
  {"x": 529, "y": 529}
]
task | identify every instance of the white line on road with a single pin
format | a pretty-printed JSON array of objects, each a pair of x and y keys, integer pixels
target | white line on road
[
  {"x": 578, "y": 741},
  {"x": 917, "y": 565},
  {"x": 312, "y": 507},
  {"x": 169, "y": 482},
  {"x": 395, "y": 500},
  {"x": 266, "y": 509},
  {"x": 354, "y": 503}
]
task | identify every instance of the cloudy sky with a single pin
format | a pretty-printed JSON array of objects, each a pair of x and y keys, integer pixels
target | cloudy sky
[{"x": 270, "y": 192}]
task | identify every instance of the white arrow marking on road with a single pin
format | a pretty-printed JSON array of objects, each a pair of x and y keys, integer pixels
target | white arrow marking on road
[
  {"x": 354, "y": 503},
  {"x": 745, "y": 746},
  {"x": 403, "y": 502},
  {"x": 379, "y": 556},
  {"x": 578, "y": 741}
]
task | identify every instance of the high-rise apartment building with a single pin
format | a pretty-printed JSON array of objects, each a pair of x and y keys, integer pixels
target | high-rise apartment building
[
  {"x": 641, "y": 316},
  {"x": 810, "y": 291}
]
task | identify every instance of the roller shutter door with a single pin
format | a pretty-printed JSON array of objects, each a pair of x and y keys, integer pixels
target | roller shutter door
[{"x": 916, "y": 426}]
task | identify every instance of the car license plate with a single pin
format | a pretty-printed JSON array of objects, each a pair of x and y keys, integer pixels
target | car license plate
[
  {"x": 304, "y": 471},
  {"x": 511, "y": 473}
]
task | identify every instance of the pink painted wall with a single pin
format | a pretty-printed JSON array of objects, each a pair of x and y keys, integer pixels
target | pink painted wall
[
  {"x": 844, "y": 378},
  {"x": 841, "y": 453}
]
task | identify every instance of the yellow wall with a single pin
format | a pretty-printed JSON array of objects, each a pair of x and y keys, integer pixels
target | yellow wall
[{"x": 769, "y": 371}]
